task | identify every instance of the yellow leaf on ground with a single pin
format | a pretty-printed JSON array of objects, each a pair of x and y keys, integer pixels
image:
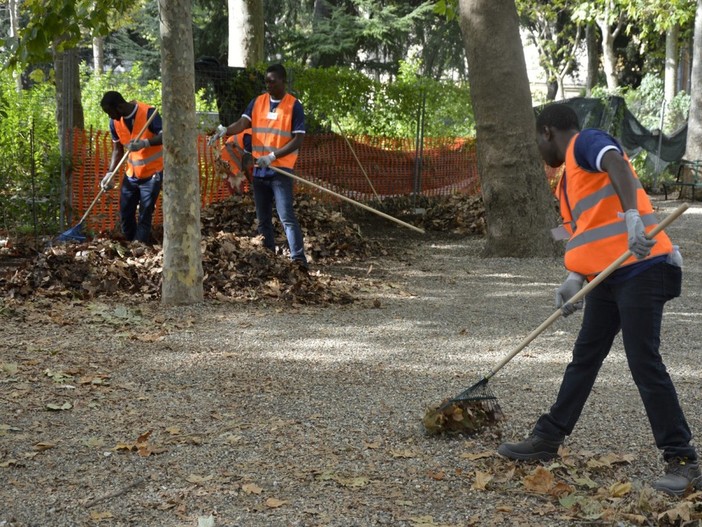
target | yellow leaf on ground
[
  {"x": 99, "y": 516},
  {"x": 40, "y": 447},
  {"x": 620, "y": 489}
]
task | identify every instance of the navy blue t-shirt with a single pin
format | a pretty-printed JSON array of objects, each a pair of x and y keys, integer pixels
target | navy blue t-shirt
[{"x": 590, "y": 146}]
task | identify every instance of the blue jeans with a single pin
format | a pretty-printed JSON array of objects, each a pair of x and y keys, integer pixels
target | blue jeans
[
  {"x": 144, "y": 194},
  {"x": 278, "y": 189},
  {"x": 636, "y": 307}
]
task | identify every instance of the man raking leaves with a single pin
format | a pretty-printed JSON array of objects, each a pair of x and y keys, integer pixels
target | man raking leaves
[{"x": 606, "y": 211}]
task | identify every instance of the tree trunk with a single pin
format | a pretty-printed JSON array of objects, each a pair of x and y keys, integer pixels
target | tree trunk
[
  {"x": 519, "y": 206},
  {"x": 609, "y": 57},
  {"x": 13, "y": 7},
  {"x": 593, "y": 57},
  {"x": 245, "y": 33},
  {"x": 671, "y": 62},
  {"x": 693, "y": 148},
  {"x": 98, "y": 55},
  {"x": 182, "y": 255}
]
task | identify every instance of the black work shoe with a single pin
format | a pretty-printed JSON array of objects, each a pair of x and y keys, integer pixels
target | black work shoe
[
  {"x": 680, "y": 475},
  {"x": 532, "y": 448}
]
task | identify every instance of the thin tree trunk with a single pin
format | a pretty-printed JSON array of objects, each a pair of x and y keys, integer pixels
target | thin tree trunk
[
  {"x": 14, "y": 29},
  {"x": 609, "y": 58},
  {"x": 182, "y": 255},
  {"x": 518, "y": 202},
  {"x": 671, "y": 62},
  {"x": 593, "y": 57},
  {"x": 98, "y": 55}
]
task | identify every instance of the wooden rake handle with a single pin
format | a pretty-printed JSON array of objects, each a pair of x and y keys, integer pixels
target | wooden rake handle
[
  {"x": 341, "y": 196},
  {"x": 585, "y": 290}
]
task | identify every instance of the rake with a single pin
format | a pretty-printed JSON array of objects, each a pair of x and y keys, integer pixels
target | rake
[
  {"x": 479, "y": 395},
  {"x": 75, "y": 233}
]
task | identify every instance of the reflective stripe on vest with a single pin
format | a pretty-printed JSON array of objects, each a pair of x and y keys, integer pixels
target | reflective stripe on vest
[
  {"x": 600, "y": 236},
  {"x": 268, "y": 135},
  {"x": 146, "y": 162}
]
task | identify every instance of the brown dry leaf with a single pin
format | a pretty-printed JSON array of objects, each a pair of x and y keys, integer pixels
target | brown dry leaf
[
  {"x": 437, "y": 475},
  {"x": 251, "y": 488},
  {"x": 682, "y": 512},
  {"x": 274, "y": 503},
  {"x": 540, "y": 481},
  {"x": 198, "y": 480},
  {"x": 638, "y": 519},
  {"x": 610, "y": 459},
  {"x": 475, "y": 456},
  {"x": 40, "y": 447},
  {"x": 481, "y": 480}
]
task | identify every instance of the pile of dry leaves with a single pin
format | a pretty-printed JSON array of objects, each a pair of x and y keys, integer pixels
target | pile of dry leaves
[{"x": 235, "y": 263}]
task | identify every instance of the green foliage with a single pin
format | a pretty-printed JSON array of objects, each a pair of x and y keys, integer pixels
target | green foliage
[
  {"x": 645, "y": 103},
  {"x": 363, "y": 106},
  {"x": 30, "y": 164}
]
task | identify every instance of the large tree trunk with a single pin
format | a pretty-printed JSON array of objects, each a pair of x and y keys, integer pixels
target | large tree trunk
[
  {"x": 519, "y": 207},
  {"x": 671, "y": 62},
  {"x": 182, "y": 255},
  {"x": 245, "y": 33},
  {"x": 693, "y": 148}
]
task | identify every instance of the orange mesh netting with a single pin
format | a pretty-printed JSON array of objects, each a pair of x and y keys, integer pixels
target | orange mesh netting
[{"x": 448, "y": 166}]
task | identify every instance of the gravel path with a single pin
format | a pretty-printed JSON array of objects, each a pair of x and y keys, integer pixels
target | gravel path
[{"x": 266, "y": 415}]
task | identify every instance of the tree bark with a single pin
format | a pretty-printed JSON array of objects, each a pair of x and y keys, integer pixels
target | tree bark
[
  {"x": 671, "y": 62},
  {"x": 13, "y": 7},
  {"x": 182, "y": 255},
  {"x": 593, "y": 57},
  {"x": 245, "y": 33},
  {"x": 98, "y": 55},
  {"x": 693, "y": 147},
  {"x": 519, "y": 206}
]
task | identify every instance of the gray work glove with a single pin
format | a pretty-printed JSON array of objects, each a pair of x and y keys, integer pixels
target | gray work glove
[
  {"x": 221, "y": 131},
  {"x": 138, "y": 144},
  {"x": 639, "y": 245},
  {"x": 573, "y": 283},
  {"x": 674, "y": 257},
  {"x": 107, "y": 183},
  {"x": 265, "y": 161}
]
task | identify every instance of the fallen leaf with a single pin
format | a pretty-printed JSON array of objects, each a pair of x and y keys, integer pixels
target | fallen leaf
[
  {"x": 274, "y": 503},
  {"x": 40, "y": 447},
  {"x": 198, "y": 480},
  {"x": 475, "y": 456},
  {"x": 481, "y": 480},
  {"x": 251, "y": 488},
  {"x": 59, "y": 407},
  {"x": 539, "y": 481},
  {"x": 99, "y": 516}
]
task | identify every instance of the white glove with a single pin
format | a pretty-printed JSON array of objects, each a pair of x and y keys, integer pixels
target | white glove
[
  {"x": 265, "y": 161},
  {"x": 220, "y": 132},
  {"x": 138, "y": 144},
  {"x": 674, "y": 257},
  {"x": 639, "y": 245},
  {"x": 573, "y": 283},
  {"x": 107, "y": 183}
]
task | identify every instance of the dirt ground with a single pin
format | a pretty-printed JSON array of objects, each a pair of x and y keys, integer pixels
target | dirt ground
[{"x": 121, "y": 412}]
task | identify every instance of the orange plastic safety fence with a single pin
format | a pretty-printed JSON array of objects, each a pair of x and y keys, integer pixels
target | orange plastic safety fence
[{"x": 447, "y": 166}]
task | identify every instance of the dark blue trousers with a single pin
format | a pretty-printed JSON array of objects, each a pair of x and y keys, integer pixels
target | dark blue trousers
[
  {"x": 636, "y": 307},
  {"x": 141, "y": 193}
]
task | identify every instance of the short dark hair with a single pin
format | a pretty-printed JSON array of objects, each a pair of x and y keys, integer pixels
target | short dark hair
[
  {"x": 279, "y": 70},
  {"x": 111, "y": 99},
  {"x": 559, "y": 116}
]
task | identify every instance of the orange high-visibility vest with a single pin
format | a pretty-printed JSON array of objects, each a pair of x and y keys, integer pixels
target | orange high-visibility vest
[
  {"x": 271, "y": 134},
  {"x": 146, "y": 162},
  {"x": 233, "y": 151},
  {"x": 589, "y": 207}
]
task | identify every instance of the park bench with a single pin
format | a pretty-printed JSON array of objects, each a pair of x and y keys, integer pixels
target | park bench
[{"x": 689, "y": 175}]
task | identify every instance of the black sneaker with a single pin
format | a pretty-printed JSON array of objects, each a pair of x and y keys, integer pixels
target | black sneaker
[
  {"x": 680, "y": 475},
  {"x": 532, "y": 448}
]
